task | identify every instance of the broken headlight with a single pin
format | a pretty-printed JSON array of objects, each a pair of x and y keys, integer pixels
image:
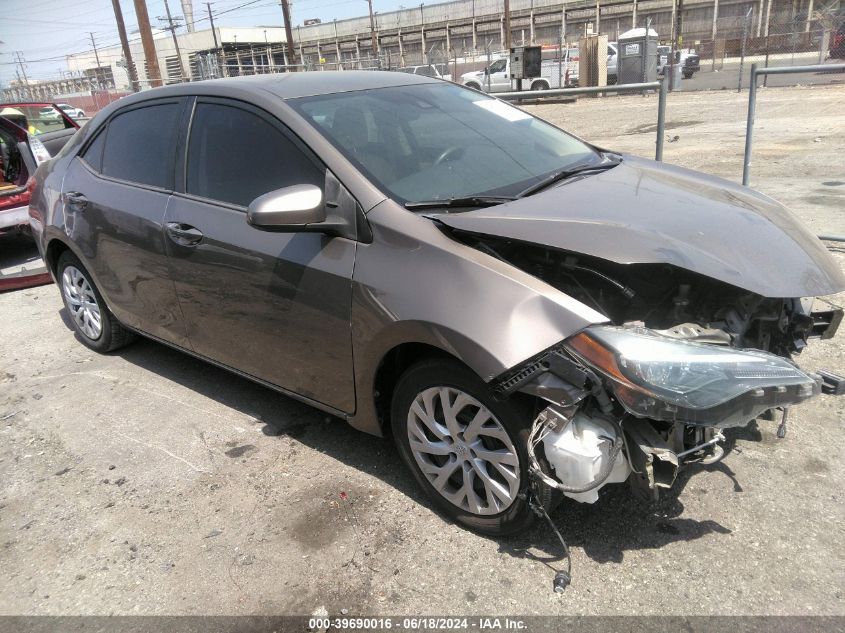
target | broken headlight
[{"x": 667, "y": 379}]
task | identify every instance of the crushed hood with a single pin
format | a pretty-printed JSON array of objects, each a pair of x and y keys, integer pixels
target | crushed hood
[{"x": 646, "y": 212}]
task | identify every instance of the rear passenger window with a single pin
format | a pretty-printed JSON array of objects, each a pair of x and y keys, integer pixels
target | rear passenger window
[
  {"x": 94, "y": 154},
  {"x": 139, "y": 145},
  {"x": 234, "y": 156}
]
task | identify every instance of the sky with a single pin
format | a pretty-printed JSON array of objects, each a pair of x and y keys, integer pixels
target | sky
[{"x": 44, "y": 31}]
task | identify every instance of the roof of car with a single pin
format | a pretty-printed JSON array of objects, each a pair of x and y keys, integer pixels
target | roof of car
[{"x": 301, "y": 84}]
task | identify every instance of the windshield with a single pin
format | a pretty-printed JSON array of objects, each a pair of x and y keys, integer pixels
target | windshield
[{"x": 440, "y": 141}]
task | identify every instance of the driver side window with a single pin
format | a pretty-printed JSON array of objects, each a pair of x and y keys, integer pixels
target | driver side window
[
  {"x": 234, "y": 156},
  {"x": 498, "y": 66}
]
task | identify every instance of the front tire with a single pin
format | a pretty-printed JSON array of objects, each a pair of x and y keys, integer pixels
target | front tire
[
  {"x": 464, "y": 447},
  {"x": 95, "y": 326}
]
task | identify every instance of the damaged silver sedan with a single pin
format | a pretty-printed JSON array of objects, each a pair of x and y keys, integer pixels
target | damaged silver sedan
[{"x": 529, "y": 316}]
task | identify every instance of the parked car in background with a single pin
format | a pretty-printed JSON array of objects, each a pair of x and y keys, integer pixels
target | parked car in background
[
  {"x": 554, "y": 73},
  {"x": 526, "y": 315},
  {"x": 24, "y": 146},
  {"x": 440, "y": 71},
  {"x": 71, "y": 111},
  {"x": 49, "y": 112},
  {"x": 20, "y": 155},
  {"x": 688, "y": 59}
]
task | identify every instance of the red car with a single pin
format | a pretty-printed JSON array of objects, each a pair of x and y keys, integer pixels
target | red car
[{"x": 29, "y": 135}]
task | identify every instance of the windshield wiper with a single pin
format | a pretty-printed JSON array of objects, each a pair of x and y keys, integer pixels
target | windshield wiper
[
  {"x": 466, "y": 201},
  {"x": 563, "y": 174}
]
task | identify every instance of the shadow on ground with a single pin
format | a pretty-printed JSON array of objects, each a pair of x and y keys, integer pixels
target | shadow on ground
[{"x": 605, "y": 531}]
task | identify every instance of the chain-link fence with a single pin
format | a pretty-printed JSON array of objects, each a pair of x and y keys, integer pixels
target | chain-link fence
[{"x": 759, "y": 35}]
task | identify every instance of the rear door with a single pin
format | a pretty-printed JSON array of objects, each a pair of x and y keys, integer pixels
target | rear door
[
  {"x": 276, "y": 306},
  {"x": 115, "y": 193}
]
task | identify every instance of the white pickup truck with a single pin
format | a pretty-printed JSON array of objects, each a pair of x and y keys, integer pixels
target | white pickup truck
[{"x": 553, "y": 73}]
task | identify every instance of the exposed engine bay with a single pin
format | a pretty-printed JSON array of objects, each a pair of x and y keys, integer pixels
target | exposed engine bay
[
  {"x": 685, "y": 357},
  {"x": 665, "y": 298}
]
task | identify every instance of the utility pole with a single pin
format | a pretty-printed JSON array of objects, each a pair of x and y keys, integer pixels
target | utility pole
[
  {"x": 289, "y": 33},
  {"x": 373, "y": 31},
  {"x": 19, "y": 59},
  {"x": 211, "y": 20},
  {"x": 507, "y": 25},
  {"x": 124, "y": 43},
  {"x": 172, "y": 28},
  {"x": 97, "y": 58},
  {"x": 216, "y": 43},
  {"x": 153, "y": 71}
]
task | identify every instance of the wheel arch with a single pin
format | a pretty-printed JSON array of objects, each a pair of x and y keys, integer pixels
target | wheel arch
[
  {"x": 55, "y": 248},
  {"x": 393, "y": 364}
]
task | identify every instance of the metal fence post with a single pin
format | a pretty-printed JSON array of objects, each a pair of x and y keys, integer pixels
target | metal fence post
[
  {"x": 749, "y": 127},
  {"x": 742, "y": 50},
  {"x": 661, "y": 118}
]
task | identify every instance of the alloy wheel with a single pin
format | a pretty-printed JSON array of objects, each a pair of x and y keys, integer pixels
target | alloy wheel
[
  {"x": 463, "y": 450},
  {"x": 82, "y": 302}
]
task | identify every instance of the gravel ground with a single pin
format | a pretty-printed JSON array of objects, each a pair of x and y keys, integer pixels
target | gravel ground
[{"x": 146, "y": 482}]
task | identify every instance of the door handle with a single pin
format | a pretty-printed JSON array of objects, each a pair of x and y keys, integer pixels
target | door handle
[
  {"x": 183, "y": 234},
  {"x": 76, "y": 200}
]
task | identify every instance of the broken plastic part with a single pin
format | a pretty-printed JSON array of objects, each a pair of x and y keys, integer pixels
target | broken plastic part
[
  {"x": 650, "y": 456},
  {"x": 832, "y": 384}
]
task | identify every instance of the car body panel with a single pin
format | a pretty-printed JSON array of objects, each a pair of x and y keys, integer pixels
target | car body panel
[
  {"x": 119, "y": 237},
  {"x": 643, "y": 211},
  {"x": 14, "y": 217},
  {"x": 294, "y": 287},
  {"x": 415, "y": 284}
]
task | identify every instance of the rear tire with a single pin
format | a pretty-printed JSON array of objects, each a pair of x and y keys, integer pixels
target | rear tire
[
  {"x": 95, "y": 326},
  {"x": 539, "y": 85},
  {"x": 476, "y": 474}
]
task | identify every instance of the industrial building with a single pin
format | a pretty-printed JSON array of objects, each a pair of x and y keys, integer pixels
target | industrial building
[{"x": 465, "y": 30}]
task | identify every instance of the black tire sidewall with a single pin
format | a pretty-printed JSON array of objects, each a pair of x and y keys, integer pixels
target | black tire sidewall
[
  {"x": 515, "y": 417},
  {"x": 103, "y": 342}
]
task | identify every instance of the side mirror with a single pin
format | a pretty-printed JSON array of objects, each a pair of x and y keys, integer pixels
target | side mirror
[{"x": 288, "y": 210}]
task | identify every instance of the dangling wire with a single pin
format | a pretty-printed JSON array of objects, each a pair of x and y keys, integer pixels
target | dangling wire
[{"x": 562, "y": 577}]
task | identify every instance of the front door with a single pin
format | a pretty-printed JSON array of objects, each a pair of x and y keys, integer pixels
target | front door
[
  {"x": 273, "y": 305},
  {"x": 499, "y": 79},
  {"x": 115, "y": 194}
]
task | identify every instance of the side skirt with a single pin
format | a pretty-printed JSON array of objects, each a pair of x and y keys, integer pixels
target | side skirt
[{"x": 290, "y": 394}]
